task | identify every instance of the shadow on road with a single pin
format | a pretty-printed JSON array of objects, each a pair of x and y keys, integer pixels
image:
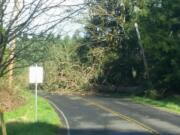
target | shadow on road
[
  {"x": 16, "y": 128},
  {"x": 104, "y": 132}
]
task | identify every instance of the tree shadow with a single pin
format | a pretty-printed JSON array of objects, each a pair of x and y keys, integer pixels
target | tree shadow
[
  {"x": 104, "y": 132},
  {"x": 39, "y": 128}
]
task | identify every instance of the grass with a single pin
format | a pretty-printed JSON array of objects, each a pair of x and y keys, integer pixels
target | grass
[
  {"x": 22, "y": 120},
  {"x": 171, "y": 104}
]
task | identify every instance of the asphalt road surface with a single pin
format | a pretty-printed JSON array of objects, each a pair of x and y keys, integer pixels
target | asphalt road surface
[{"x": 112, "y": 116}]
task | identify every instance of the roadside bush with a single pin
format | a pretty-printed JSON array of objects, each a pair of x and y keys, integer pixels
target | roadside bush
[
  {"x": 10, "y": 98},
  {"x": 155, "y": 94}
]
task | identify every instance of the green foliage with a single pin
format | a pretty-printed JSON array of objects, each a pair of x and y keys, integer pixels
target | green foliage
[
  {"x": 22, "y": 120},
  {"x": 110, "y": 52},
  {"x": 63, "y": 68},
  {"x": 160, "y": 34},
  {"x": 171, "y": 104},
  {"x": 26, "y": 113},
  {"x": 155, "y": 94},
  {"x": 2, "y": 31},
  {"x": 111, "y": 27},
  {"x": 36, "y": 49}
]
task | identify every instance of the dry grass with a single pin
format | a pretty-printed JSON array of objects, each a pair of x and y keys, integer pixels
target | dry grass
[{"x": 10, "y": 98}]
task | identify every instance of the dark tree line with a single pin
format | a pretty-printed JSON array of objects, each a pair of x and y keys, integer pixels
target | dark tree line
[{"x": 111, "y": 26}]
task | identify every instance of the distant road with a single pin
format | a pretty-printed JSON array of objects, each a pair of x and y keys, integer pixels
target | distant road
[{"x": 112, "y": 116}]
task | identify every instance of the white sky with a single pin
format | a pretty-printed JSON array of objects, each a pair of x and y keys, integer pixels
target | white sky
[
  {"x": 68, "y": 27},
  {"x": 71, "y": 26}
]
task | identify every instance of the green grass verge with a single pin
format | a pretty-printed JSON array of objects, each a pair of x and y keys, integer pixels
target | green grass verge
[
  {"x": 171, "y": 104},
  {"x": 22, "y": 120}
]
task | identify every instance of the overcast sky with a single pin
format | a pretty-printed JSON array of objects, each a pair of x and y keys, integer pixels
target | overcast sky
[
  {"x": 66, "y": 27},
  {"x": 71, "y": 26}
]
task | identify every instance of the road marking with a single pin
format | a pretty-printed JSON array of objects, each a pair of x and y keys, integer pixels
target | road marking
[
  {"x": 64, "y": 117},
  {"x": 121, "y": 116}
]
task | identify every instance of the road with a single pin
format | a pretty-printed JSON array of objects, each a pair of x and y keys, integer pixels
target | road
[{"x": 112, "y": 116}]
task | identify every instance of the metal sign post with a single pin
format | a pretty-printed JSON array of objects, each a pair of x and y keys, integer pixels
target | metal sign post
[
  {"x": 36, "y": 77},
  {"x": 36, "y": 101}
]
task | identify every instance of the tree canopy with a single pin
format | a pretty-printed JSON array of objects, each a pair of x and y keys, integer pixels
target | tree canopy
[
  {"x": 20, "y": 18},
  {"x": 111, "y": 25}
]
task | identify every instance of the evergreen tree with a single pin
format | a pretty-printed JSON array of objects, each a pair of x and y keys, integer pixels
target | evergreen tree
[
  {"x": 160, "y": 34},
  {"x": 111, "y": 27}
]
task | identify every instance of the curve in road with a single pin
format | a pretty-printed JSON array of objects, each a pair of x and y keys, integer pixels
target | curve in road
[{"x": 112, "y": 116}]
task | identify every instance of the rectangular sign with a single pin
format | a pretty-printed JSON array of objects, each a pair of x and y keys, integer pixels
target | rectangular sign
[{"x": 35, "y": 74}]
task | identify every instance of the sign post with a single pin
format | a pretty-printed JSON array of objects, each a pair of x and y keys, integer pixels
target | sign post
[
  {"x": 36, "y": 77},
  {"x": 36, "y": 101}
]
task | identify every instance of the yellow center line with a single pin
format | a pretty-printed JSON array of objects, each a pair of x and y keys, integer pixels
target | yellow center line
[{"x": 121, "y": 116}]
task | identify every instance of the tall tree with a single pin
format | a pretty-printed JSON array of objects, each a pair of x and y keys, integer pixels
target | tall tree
[
  {"x": 160, "y": 34},
  {"x": 154, "y": 43},
  {"x": 111, "y": 26},
  {"x": 28, "y": 17},
  {"x": 34, "y": 17}
]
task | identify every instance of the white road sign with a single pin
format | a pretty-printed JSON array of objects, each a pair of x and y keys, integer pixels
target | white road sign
[
  {"x": 35, "y": 74},
  {"x": 36, "y": 77}
]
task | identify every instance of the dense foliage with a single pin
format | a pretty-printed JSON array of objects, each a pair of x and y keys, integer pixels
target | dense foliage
[
  {"x": 126, "y": 43},
  {"x": 63, "y": 68},
  {"x": 111, "y": 27}
]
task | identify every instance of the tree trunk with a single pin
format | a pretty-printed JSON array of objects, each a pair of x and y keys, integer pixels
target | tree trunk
[
  {"x": 143, "y": 52},
  {"x": 3, "y": 124}
]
